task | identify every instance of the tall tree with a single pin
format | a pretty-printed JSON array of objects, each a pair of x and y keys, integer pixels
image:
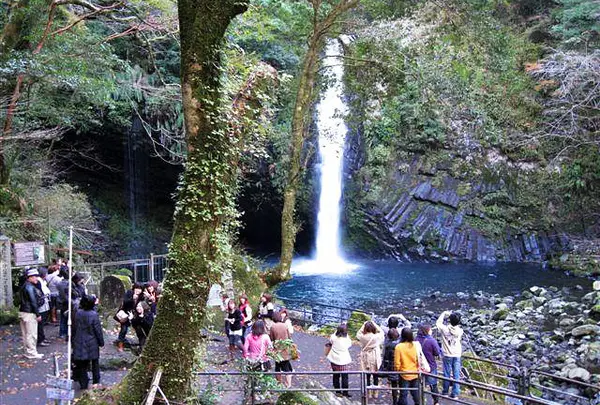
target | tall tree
[
  {"x": 205, "y": 205},
  {"x": 325, "y": 15}
]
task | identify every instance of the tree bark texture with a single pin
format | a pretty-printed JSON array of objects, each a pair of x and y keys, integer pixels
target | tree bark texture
[
  {"x": 205, "y": 205},
  {"x": 300, "y": 120}
]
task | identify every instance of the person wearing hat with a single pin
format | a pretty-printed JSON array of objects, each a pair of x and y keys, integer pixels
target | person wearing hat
[{"x": 29, "y": 314}]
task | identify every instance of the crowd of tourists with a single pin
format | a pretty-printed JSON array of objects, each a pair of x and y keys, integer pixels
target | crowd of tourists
[
  {"x": 259, "y": 340},
  {"x": 44, "y": 300},
  {"x": 391, "y": 351},
  {"x": 396, "y": 354}
]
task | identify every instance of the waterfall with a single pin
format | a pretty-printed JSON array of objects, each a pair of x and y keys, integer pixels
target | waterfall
[{"x": 331, "y": 112}]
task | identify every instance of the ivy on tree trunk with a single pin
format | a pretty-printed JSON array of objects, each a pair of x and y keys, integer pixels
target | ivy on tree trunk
[{"x": 204, "y": 210}]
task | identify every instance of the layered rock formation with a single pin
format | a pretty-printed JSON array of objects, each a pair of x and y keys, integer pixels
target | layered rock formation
[{"x": 429, "y": 211}]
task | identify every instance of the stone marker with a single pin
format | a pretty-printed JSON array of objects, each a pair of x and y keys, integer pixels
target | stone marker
[{"x": 112, "y": 290}]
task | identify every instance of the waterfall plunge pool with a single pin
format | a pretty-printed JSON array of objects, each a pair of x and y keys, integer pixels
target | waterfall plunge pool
[{"x": 385, "y": 286}]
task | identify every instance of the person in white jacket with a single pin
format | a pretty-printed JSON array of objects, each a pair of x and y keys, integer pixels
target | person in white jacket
[
  {"x": 339, "y": 357},
  {"x": 452, "y": 349},
  {"x": 370, "y": 336}
]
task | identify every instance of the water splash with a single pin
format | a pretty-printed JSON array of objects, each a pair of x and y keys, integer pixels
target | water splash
[{"x": 332, "y": 129}]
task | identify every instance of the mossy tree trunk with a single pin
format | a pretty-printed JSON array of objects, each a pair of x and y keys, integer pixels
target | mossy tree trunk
[
  {"x": 204, "y": 209},
  {"x": 300, "y": 120}
]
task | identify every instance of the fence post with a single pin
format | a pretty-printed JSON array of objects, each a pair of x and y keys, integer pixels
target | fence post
[
  {"x": 422, "y": 380},
  {"x": 523, "y": 383},
  {"x": 252, "y": 381},
  {"x": 151, "y": 266},
  {"x": 363, "y": 389}
]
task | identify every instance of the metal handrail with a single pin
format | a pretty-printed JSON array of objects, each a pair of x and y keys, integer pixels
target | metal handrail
[
  {"x": 564, "y": 379},
  {"x": 498, "y": 363},
  {"x": 363, "y": 388},
  {"x": 312, "y": 304}
]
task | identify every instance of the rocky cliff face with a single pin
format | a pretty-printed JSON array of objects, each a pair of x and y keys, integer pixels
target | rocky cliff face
[{"x": 433, "y": 209}]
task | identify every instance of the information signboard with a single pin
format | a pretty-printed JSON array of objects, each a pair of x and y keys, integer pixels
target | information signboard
[{"x": 28, "y": 253}]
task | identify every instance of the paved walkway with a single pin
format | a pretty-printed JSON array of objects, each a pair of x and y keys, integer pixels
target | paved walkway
[{"x": 23, "y": 381}]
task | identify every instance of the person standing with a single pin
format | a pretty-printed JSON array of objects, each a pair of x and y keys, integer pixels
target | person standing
[
  {"x": 406, "y": 361},
  {"x": 339, "y": 357},
  {"x": 285, "y": 318},
  {"x": 279, "y": 333},
  {"x": 53, "y": 279},
  {"x": 63, "y": 304},
  {"x": 370, "y": 336},
  {"x": 142, "y": 322},
  {"x": 236, "y": 331},
  {"x": 246, "y": 311},
  {"x": 130, "y": 301},
  {"x": 431, "y": 350},
  {"x": 87, "y": 341},
  {"x": 452, "y": 349},
  {"x": 265, "y": 310},
  {"x": 43, "y": 309},
  {"x": 151, "y": 295},
  {"x": 29, "y": 314},
  {"x": 391, "y": 340},
  {"x": 256, "y": 346}
]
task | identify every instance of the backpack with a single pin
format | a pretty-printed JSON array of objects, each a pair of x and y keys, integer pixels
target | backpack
[{"x": 39, "y": 297}]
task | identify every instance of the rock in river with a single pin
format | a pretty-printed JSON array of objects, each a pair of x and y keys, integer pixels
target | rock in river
[{"x": 585, "y": 330}]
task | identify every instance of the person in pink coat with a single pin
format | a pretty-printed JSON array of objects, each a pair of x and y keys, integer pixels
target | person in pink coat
[{"x": 256, "y": 347}]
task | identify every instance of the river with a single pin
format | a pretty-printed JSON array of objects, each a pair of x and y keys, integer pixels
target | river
[{"x": 383, "y": 286}]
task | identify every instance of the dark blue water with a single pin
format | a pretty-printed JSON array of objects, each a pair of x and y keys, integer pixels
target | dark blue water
[{"x": 377, "y": 286}]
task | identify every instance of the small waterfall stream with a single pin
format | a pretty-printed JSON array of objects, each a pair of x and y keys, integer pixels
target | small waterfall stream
[{"x": 332, "y": 135}]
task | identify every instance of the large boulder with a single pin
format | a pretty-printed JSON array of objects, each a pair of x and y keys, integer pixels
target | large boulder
[
  {"x": 112, "y": 290},
  {"x": 579, "y": 373},
  {"x": 585, "y": 330}
]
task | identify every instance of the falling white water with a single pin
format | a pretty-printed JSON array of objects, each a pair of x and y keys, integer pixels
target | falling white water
[{"x": 332, "y": 134}]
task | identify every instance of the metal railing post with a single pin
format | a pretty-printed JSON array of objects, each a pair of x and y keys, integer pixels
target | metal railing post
[
  {"x": 524, "y": 383},
  {"x": 252, "y": 380},
  {"x": 422, "y": 382},
  {"x": 364, "y": 398},
  {"x": 151, "y": 266}
]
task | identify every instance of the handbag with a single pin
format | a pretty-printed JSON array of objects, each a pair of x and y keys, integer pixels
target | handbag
[
  {"x": 294, "y": 352},
  {"x": 422, "y": 360},
  {"x": 121, "y": 316},
  {"x": 327, "y": 348}
]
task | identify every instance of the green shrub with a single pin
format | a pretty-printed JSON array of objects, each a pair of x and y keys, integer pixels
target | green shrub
[
  {"x": 123, "y": 272},
  {"x": 295, "y": 398},
  {"x": 9, "y": 316},
  {"x": 355, "y": 322}
]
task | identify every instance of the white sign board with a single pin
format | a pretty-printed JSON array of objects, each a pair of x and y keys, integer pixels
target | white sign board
[
  {"x": 28, "y": 253},
  {"x": 57, "y": 382},
  {"x": 58, "y": 393}
]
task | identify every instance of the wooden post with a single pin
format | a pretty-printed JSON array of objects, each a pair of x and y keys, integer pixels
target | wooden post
[
  {"x": 6, "y": 292},
  {"x": 153, "y": 387}
]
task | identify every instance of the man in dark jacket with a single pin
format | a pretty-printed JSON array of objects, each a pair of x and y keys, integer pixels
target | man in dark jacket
[{"x": 29, "y": 314}]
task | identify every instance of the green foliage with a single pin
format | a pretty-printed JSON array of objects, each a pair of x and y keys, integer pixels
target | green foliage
[
  {"x": 577, "y": 22},
  {"x": 123, "y": 272},
  {"x": 295, "y": 398},
  {"x": 9, "y": 316},
  {"x": 355, "y": 322}
]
